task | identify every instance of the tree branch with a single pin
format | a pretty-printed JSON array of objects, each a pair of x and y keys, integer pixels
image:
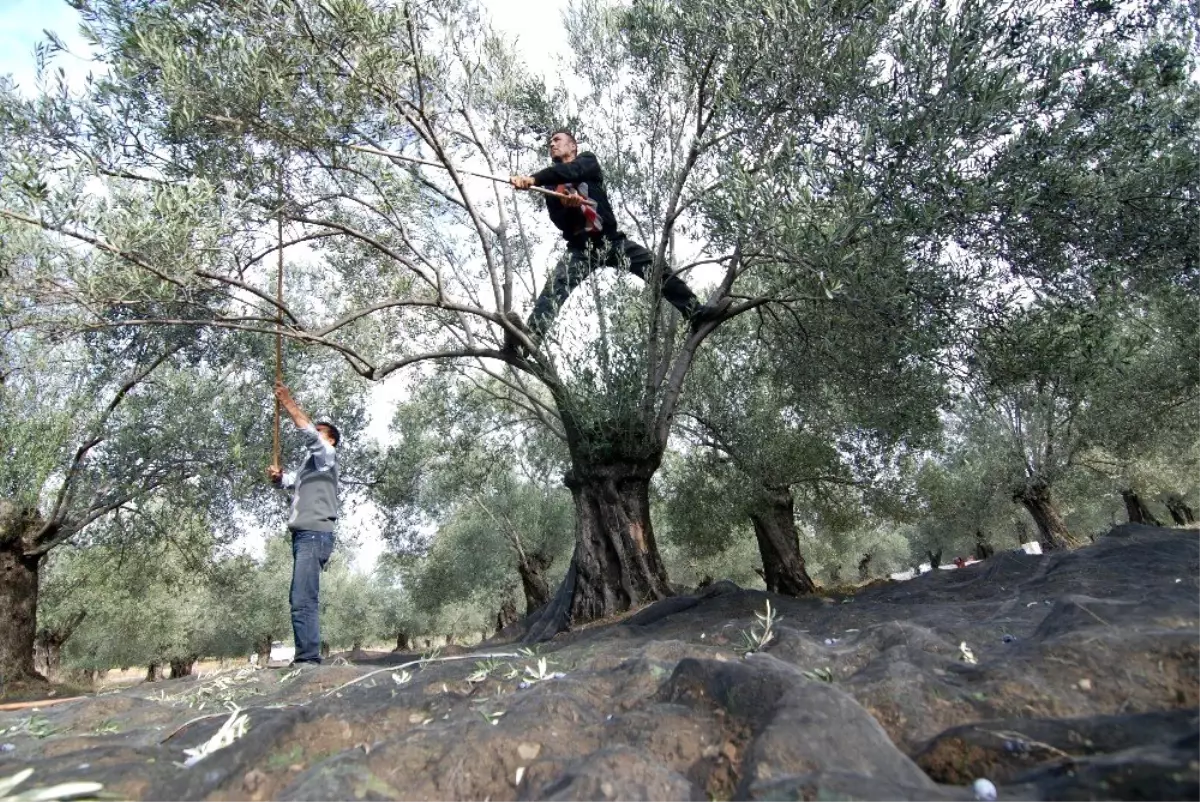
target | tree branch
[{"x": 65, "y": 493}]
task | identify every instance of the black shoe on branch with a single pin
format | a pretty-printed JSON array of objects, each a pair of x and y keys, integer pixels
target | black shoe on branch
[
  {"x": 710, "y": 313},
  {"x": 513, "y": 344}
]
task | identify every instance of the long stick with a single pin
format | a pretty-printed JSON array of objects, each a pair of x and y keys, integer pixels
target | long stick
[
  {"x": 378, "y": 152},
  {"x": 489, "y": 176},
  {"x": 38, "y": 703},
  {"x": 276, "y": 451}
]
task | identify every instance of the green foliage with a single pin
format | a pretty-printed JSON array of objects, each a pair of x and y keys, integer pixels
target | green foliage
[
  {"x": 467, "y": 499},
  {"x": 252, "y": 596},
  {"x": 144, "y": 604},
  {"x": 350, "y": 607},
  {"x": 834, "y": 557},
  {"x": 688, "y": 565},
  {"x": 963, "y": 495},
  {"x": 760, "y": 635},
  {"x": 473, "y": 556},
  {"x": 151, "y": 604},
  {"x": 961, "y": 216},
  {"x": 399, "y": 614}
]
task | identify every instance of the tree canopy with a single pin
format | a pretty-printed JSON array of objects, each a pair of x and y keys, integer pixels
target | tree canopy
[{"x": 957, "y": 241}]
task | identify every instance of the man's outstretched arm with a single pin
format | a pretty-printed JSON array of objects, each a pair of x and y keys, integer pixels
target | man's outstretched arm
[
  {"x": 312, "y": 440},
  {"x": 291, "y": 407},
  {"x": 584, "y": 167}
]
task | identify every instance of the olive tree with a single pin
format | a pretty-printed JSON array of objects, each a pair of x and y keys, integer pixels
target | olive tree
[
  {"x": 488, "y": 488},
  {"x": 1059, "y": 382},
  {"x": 226, "y": 134},
  {"x": 94, "y": 435}
]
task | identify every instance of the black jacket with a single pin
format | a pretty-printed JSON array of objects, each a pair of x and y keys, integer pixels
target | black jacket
[{"x": 582, "y": 176}]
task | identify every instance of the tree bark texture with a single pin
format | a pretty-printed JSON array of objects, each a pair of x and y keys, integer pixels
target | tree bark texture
[
  {"x": 1052, "y": 530},
  {"x": 1181, "y": 513},
  {"x": 18, "y": 611},
  {"x": 507, "y": 616},
  {"x": 1136, "y": 509},
  {"x": 401, "y": 642},
  {"x": 262, "y": 648},
  {"x": 774, "y": 522},
  {"x": 533, "y": 580},
  {"x": 983, "y": 549},
  {"x": 48, "y": 643},
  {"x": 47, "y": 656},
  {"x": 616, "y": 559},
  {"x": 182, "y": 667}
]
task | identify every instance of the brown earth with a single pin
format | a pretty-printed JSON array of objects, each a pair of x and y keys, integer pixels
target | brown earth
[{"x": 1083, "y": 685}]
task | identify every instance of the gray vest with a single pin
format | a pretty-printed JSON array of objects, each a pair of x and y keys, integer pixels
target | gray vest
[{"x": 315, "y": 490}]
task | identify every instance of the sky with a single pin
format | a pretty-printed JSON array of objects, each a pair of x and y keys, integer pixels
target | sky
[
  {"x": 21, "y": 26},
  {"x": 540, "y": 38}
]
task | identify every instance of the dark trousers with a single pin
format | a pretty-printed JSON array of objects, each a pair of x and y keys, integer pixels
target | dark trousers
[
  {"x": 310, "y": 552},
  {"x": 580, "y": 262}
]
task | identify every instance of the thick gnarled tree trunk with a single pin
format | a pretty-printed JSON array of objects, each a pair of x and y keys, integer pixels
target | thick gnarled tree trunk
[
  {"x": 1137, "y": 510},
  {"x": 779, "y": 544},
  {"x": 48, "y": 643},
  {"x": 21, "y": 531},
  {"x": 1181, "y": 513},
  {"x": 182, "y": 667},
  {"x": 507, "y": 615},
  {"x": 617, "y": 565},
  {"x": 533, "y": 580},
  {"x": 983, "y": 549},
  {"x": 18, "y": 611},
  {"x": 1053, "y": 533},
  {"x": 262, "y": 648}
]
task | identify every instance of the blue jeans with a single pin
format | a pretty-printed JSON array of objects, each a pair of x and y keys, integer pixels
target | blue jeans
[{"x": 310, "y": 552}]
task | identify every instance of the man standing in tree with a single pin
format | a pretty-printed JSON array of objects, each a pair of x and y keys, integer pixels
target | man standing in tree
[
  {"x": 589, "y": 226},
  {"x": 314, "y": 489}
]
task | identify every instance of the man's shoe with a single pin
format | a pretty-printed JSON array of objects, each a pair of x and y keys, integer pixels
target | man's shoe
[
  {"x": 512, "y": 344},
  {"x": 709, "y": 313}
]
